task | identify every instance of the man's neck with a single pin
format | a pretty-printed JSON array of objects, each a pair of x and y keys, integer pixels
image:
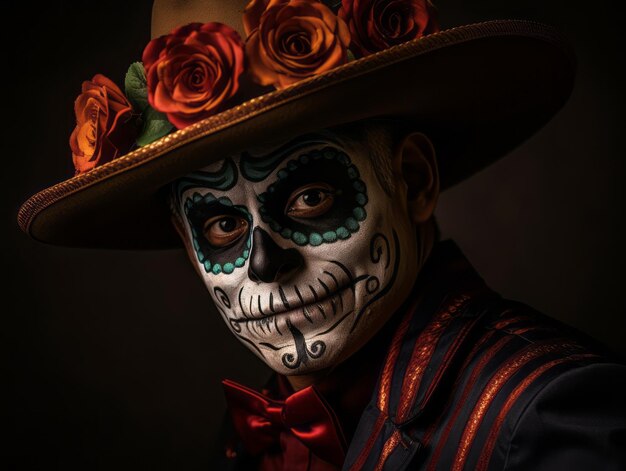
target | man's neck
[{"x": 303, "y": 381}]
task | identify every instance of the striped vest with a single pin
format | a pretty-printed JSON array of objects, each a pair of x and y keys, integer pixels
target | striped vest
[{"x": 449, "y": 386}]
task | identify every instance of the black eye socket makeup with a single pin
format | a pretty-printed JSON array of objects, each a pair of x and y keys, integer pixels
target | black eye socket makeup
[
  {"x": 315, "y": 204},
  {"x": 221, "y": 232}
]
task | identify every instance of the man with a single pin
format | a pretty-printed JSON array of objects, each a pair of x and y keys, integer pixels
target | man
[
  {"x": 336, "y": 239},
  {"x": 308, "y": 213}
]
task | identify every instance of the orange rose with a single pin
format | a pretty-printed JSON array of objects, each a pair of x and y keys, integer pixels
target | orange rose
[
  {"x": 253, "y": 12},
  {"x": 289, "y": 40},
  {"x": 193, "y": 71},
  {"x": 104, "y": 125},
  {"x": 376, "y": 25}
]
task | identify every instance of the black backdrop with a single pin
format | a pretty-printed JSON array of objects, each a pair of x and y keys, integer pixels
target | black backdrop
[{"x": 113, "y": 359}]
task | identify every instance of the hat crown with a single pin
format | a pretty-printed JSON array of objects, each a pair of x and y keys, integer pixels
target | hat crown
[{"x": 169, "y": 14}]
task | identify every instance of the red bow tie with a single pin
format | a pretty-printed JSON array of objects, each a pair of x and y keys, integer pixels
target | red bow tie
[{"x": 259, "y": 421}]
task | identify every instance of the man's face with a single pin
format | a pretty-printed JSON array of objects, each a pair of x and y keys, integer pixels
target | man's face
[{"x": 304, "y": 253}]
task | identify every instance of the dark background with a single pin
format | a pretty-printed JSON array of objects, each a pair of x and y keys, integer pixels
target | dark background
[{"x": 113, "y": 359}]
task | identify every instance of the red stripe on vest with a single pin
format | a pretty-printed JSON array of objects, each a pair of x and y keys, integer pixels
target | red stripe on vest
[
  {"x": 492, "y": 388},
  {"x": 388, "y": 448},
  {"x": 487, "y": 452},
  {"x": 384, "y": 389},
  {"x": 423, "y": 352},
  {"x": 470, "y": 356},
  {"x": 469, "y": 386}
]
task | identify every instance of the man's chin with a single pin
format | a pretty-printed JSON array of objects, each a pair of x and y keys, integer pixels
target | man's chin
[{"x": 307, "y": 351}]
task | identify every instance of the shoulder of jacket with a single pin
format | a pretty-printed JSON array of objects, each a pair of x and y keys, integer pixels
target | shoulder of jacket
[
  {"x": 512, "y": 353},
  {"x": 575, "y": 419}
]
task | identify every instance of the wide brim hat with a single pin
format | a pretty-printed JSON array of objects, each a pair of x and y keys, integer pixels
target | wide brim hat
[{"x": 477, "y": 91}]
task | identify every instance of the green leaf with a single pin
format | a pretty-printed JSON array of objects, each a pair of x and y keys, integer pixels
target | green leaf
[
  {"x": 155, "y": 125},
  {"x": 350, "y": 56},
  {"x": 136, "y": 86}
]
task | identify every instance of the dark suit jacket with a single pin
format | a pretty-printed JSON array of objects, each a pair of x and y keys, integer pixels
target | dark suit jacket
[{"x": 472, "y": 381}]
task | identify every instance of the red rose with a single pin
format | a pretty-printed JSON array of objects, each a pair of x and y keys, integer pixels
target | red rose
[
  {"x": 376, "y": 25},
  {"x": 193, "y": 71},
  {"x": 289, "y": 40},
  {"x": 104, "y": 125}
]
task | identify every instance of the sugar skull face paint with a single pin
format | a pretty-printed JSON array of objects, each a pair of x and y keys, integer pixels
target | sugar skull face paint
[{"x": 304, "y": 253}]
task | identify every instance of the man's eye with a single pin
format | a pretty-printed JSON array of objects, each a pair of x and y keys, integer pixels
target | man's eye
[
  {"x": 310, "y": 201},
  {"x": 222, "y": 231}
]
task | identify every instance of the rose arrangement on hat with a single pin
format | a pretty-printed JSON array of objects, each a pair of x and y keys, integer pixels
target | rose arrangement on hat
[{"x": 196, "y": 71}]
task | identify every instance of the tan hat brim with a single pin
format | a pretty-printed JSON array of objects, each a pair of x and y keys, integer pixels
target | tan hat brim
[{"x": 478, "y": 91}]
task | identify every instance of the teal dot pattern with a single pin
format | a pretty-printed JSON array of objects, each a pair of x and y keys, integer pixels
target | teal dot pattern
[
  {"x": 214, "y": 267},
  {"x": 350, "y": 226}
]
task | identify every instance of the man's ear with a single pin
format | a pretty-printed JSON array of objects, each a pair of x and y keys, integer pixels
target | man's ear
[{"x": 415, "y": 163}]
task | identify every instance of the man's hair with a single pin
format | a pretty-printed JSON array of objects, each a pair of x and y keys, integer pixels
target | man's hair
[{"x": 378, "y": 137}]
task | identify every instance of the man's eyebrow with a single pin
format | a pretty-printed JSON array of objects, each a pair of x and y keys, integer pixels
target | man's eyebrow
[
  {"x": 256, "y": 168},
  {"x": 223, "y": 179}
]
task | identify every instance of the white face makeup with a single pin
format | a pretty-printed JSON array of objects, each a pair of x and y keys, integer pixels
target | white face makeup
[{"x": 304, "y": 253}]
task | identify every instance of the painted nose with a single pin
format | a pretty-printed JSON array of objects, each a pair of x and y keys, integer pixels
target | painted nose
[{"x": 268, "y": 261}]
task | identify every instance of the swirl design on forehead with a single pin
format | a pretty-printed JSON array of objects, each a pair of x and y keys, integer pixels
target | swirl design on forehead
[
  {"x": 223, "y": 179},
  {"x": 256, "y": 169}
]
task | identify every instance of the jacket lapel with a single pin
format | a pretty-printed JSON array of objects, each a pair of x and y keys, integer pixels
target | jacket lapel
[{"x": 426, "y": 343}]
